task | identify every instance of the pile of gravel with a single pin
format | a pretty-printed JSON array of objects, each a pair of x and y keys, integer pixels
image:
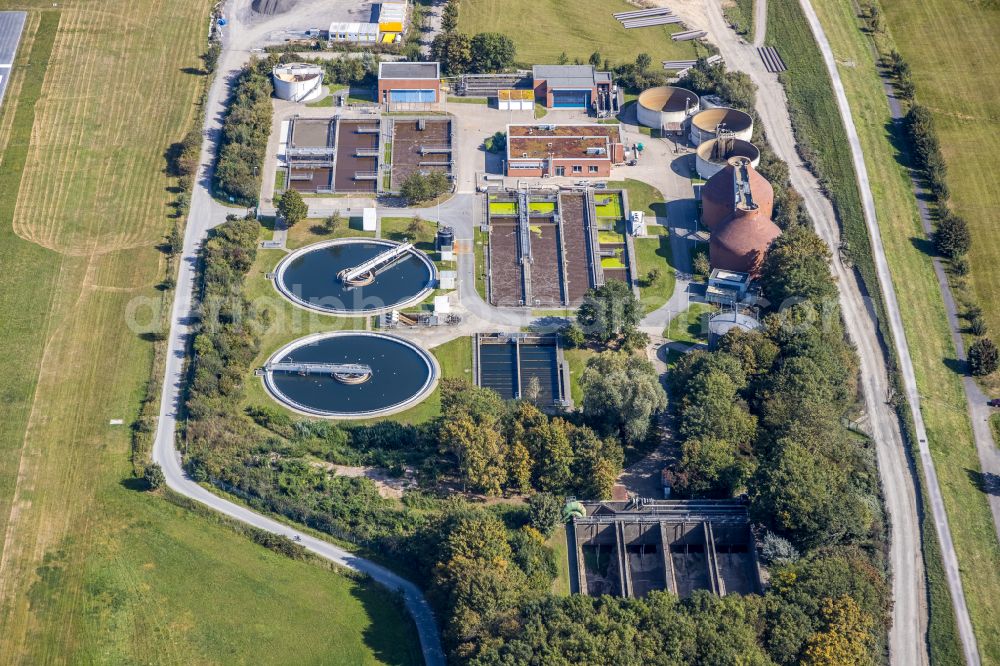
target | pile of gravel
[{"x": 272, "y": 6}]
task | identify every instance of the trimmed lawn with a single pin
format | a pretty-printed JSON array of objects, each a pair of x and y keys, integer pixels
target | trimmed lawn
[
  {"x": 544, "y": 29},
  {"x": 398, "y": 229},
  {"x": 942, "y": 398},
  {"x": 311, "y": 231},
  {"x": 479, "y": 242},
  {"x": 642, "y": 196},
  {"x": 691, "y": 326},
  {"x": 560, "y": 549},
  {"x": 577, "y": 359},
  {"x": 655, "y": 253}
]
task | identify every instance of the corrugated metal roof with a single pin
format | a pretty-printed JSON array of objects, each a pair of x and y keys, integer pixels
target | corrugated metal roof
[
  {"x": 565, "y": 76},
  {"x": 409, "y": 70}
]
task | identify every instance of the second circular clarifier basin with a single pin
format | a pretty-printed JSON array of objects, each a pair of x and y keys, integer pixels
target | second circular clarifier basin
[{"x": 402, "y": 374}]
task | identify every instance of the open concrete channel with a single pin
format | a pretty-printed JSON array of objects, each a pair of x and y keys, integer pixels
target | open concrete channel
[{"x": 547, "y": 248}]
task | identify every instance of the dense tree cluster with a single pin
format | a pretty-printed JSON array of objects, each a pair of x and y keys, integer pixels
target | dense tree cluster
[
  {"x": 761, "y": 414},
  {"x": 482, "y": 53},
  {"x": 245, "y": 132},
  {"x": 502, "y": 446},
  {"x": 229, "y": 335},
  {"x": 422, "y": 187},
  {"x": 621, "y": 394},
  {"x": 826, "y": 609},
  {"x": 611, "y": 313}
]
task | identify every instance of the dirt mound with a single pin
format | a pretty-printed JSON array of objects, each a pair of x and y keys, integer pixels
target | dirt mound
[{"x": 272, "y": 6}]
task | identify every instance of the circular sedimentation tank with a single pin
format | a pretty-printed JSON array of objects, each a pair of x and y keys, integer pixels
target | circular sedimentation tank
[
  {"x": 705, "y": 124},
  {"x": 714, "y": 154},
  {"x": 311, "y": 277},
  {"x": 724, "y": 322},
  {"x": 665, "y": 106},
  {"x": 400, "y": 374}
]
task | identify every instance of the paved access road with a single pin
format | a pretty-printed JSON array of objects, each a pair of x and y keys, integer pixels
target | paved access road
[
  {"x": 934, "y": 497},
  {"x": 907, "y": 644},
  {"x": 244, "y": 31}
]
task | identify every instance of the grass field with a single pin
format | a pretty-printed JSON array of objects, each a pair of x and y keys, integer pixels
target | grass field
[
  {"x": 951, "y": 46},
  {"x": 655, "y": 253},
  {"x": 544, "y": 29},
  {"x": 90, "y": 570},
  {"x": 920, "y": 301},
  {"x": 641, "y": 196}
]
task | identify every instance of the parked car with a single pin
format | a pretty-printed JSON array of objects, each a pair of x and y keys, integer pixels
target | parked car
[{"x": 995, "y": 402}]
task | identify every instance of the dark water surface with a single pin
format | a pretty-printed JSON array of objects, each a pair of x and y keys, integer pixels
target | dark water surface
[
  {"x": 398, "y": 373},
  {"x": 312, "y": 277}
]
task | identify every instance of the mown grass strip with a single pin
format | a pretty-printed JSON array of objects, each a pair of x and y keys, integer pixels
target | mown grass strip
[{"x": 29, "y": 270}]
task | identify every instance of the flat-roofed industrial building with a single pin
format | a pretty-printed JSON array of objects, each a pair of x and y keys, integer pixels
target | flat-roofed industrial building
[
  {"x": 574, "y": 87},
  {"x": 407, "y": 83},
  {"x": 578, "y": 151}
]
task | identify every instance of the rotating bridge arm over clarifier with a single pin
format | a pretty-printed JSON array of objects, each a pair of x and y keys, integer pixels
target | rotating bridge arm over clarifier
[
  {"x": 373, "y": 265},
  {"x": 320, "y": 368}
]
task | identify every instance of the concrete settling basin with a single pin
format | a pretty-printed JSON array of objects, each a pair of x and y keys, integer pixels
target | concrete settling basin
[
  {"x": 355, "y": 276},
  {"x": 350, "y": 374}
]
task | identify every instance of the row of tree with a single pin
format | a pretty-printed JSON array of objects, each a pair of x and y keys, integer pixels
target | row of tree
[{"x": 245, "y": 132}]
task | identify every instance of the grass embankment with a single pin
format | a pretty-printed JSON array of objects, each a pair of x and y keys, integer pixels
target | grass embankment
[
  {"x": 952, "y": 49},
  {"x": 480, "y": 239},
  {"x": 560, "y": 549},
  {"x": 92, "y": 570},
  {"x": 655, "y": 253},
  {"x": 544, "y": 29},
  {"x": 943, "y": 401},
  {"x": 740, "y": 14}
]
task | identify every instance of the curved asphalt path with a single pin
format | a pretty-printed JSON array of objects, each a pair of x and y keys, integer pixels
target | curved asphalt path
[
  {"x": 206, "y": 214},
  {"x": 934, "y": 497}
]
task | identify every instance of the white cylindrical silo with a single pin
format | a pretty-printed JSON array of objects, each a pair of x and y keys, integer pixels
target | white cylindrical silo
[{"x": 298, "y": 82}]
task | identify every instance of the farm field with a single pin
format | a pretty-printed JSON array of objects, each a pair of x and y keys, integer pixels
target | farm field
[
  {"x": 950, "y": 45},
  {"x": 943, "y": 401},
  {"x": 543, "y": 29},
  {"x": 90, "y": 569}
]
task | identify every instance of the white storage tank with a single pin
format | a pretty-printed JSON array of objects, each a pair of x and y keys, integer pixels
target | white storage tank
[
  {"x": 298, "y": 82},
  {"x": 714, "y": 154},
  {"x": 706, "y": 124},
  {"x": 666, "y": 108}
]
